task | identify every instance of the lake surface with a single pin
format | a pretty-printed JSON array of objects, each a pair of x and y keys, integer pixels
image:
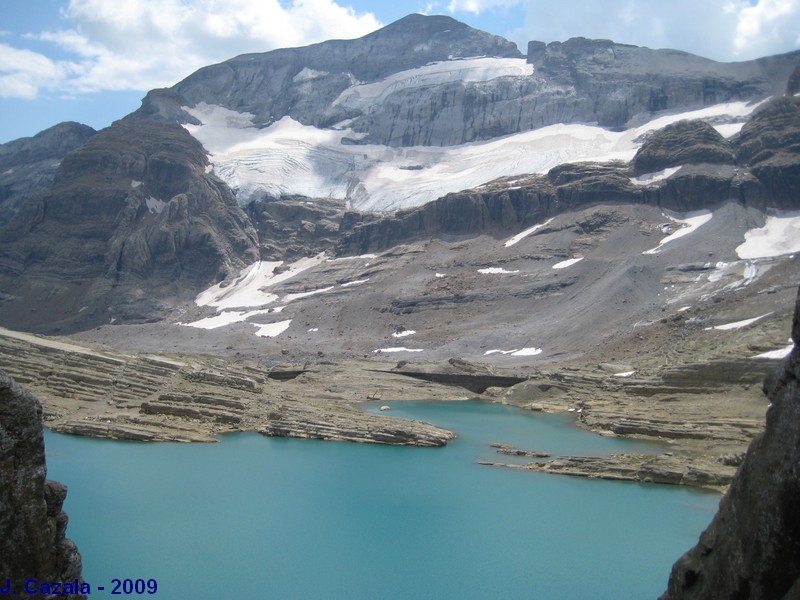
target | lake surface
[{"x": 276, "y": 518}]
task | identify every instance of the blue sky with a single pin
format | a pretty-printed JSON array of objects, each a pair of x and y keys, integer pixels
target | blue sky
[{"x": 93, "y": 60}]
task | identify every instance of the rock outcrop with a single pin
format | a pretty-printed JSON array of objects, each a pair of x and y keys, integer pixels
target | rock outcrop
[
  {"x": 613, "y": 83},
  {"x": 752, "y": 547},
  {"x": 107, "y": 394},
  {"x": 661, "y": 468},
  {"x": 28, "y": 165},
  {"x": 132, "y": 220},
  {"x": 760, "y": 167},
  {"x": 33, "y": 544},
  {"x": 769, "y": 144},
  {"x": 684, "y": 142}
]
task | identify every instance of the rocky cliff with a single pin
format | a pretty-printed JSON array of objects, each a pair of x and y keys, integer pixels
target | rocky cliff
[
  {"x": 32, "y": 525},
  {"x": 576, "y": 81},
  {"x": 133, "y": 219},
  {"x": 613, "y": 83},
  {"x": 759, "y": 167},
  {"x": 752, "y": 547},
  {"x": 28, "y": 165}
]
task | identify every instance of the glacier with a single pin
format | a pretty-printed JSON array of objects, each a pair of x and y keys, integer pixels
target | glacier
[{"x": 289, "y": 158}]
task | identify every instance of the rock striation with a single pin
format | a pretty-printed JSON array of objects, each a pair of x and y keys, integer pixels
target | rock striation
[
  {"x": 758, "y": 168},
  {"x": 33, "y": 542},
  {"x": 28, "y": 165},
  {"x": 614, "y": 83},
  {"x": 770, "y": 145},
  {"x": 107, "y": 394},
  {"x": 133, "y": 219},
  {"x": 752, "y": 547},
  {"x": 579, "y": 80}
]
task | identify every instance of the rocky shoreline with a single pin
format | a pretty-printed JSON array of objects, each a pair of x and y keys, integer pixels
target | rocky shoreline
[
  {"x": 643, "y": 468},
  {"x": 705, "y": 413},
  {"x": 108, "y": 394}
]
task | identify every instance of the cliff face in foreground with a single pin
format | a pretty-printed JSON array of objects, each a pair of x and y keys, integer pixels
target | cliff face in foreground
[
  {"x": 752, "y": 547},
  {"x": 32, "y": 525}
]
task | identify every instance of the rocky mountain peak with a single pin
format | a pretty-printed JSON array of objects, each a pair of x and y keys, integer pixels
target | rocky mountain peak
[
  {"x": 28, "y": 165},
  {"x": 304, "y": 82},
  {"x": 54, "y": 142}
]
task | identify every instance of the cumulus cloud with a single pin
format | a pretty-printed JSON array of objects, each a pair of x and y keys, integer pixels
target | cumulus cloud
[
  {"x": 767, "y": 25},
  {"x": 144, "y": 44},
  {"x": 24, "y": 72},
  {"x": 720, "y": 29}
]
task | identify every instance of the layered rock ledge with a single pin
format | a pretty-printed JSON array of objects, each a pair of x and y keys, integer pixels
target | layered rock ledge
[{"x": 108, "y": 394}]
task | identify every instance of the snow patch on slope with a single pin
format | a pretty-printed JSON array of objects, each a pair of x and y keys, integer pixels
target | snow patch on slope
[
  {"x": 738, "y": 324},
  {"x": 779, "y": 235},
  {"x": 250, "y": 288},
  {"x": 523, "y": 234},
  {"x": 567, "y": 263},
  {"x": 691, "y": 222},
  {"x": 516, "y": 352}
]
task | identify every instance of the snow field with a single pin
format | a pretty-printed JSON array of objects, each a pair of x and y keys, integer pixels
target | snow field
[
  {"x": 290, "y": 158},
  {"x": 780, "y": 235}
]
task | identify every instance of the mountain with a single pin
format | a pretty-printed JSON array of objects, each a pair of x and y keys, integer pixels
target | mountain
[
  {"x": 589, "y": 228},
  {"x": 421, "y": 131},
  {"x": 28, "y": 165}
]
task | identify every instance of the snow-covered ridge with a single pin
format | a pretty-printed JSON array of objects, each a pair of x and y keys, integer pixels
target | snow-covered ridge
[
  {"x": 290, "y": 158},
  {"x": 477, "y": 69}
]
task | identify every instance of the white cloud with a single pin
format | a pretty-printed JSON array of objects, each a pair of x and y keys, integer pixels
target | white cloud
[
  {"x": 478, "y": 6},
  {"x": 24, "y": 72},
  {"x": 720, "y": 29},
  {"x": 766, "y": 25},
  {"x": 144, "y": 44}
]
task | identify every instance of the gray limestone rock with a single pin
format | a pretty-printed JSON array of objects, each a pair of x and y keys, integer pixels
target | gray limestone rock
[
  {"x": 33, "y": 544},
  {"x": 28, "y": 165},
  {"x": 576, "y": 81},
  {"x": 132, "y": 211},
  {"x": 684, "y": 142},
  {"x": 752, "y": 547},
  {"x": 769, "y": 144},
  {"x": 620, "y": 82}
]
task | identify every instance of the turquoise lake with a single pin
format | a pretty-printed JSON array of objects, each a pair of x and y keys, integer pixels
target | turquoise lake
[{"x": 272, "y": 518}]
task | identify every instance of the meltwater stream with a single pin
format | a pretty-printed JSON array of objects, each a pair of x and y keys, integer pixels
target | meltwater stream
[{"x": 267, "y": 518}]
